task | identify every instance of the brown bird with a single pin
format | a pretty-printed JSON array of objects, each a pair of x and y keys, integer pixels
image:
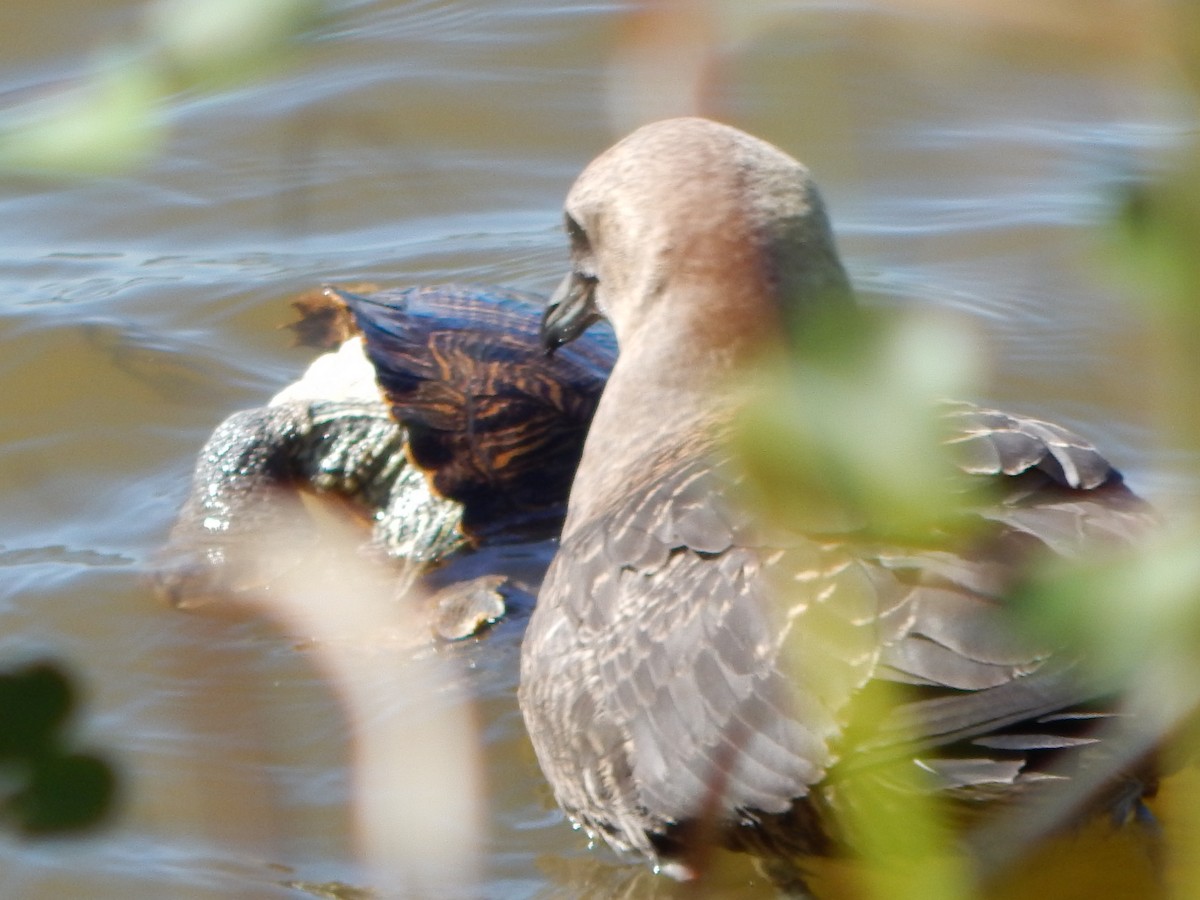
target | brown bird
[{"x": 691, "y": 669}]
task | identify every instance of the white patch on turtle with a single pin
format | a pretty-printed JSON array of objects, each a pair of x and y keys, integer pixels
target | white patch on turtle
[{"x": 345, "y": 374}]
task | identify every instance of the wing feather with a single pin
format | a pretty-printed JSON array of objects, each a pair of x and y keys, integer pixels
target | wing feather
[{"x": 731, "y": 661}]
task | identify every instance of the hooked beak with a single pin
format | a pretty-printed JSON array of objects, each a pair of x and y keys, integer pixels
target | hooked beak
[{"x": 570, "y": 311}]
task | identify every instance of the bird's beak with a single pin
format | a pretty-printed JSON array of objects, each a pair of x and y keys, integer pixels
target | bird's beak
[{"x": 570, "y": 311}]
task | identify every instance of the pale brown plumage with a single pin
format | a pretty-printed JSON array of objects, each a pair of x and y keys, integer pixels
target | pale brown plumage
[{"x": 664, "y": 658}]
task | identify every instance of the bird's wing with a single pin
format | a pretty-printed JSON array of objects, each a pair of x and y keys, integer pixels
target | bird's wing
[{"x": 730, "y": 659}]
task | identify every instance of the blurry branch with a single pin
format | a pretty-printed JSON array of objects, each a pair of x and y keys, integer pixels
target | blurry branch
[
  {"x": 115, "y": 117},
  {"x": 418, "y": 793}
]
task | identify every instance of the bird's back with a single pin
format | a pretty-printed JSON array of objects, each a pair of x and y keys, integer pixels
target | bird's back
[{"x": 683, "y": 659}]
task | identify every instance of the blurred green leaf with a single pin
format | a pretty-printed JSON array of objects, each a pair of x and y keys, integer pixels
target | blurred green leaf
[
  {"x": 216, "y": 43},
  {"x": 34, "y": 704},
  {"x": 1156, "y": 229},
  {"x": 46, "y": 786},
  {"x": 103, "y": 126},
  {"x": 64, "y": 793},
  {"x": 854, "y": 440},
  {"x": 114, "y": 118},
  {"x": 1129, "y": 614},
  {"x": 898, "y": 821},
  {"x": 850, "y": 435}
]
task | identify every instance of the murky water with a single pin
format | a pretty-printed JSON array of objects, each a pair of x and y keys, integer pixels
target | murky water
[{"x": 967, "y": 163}]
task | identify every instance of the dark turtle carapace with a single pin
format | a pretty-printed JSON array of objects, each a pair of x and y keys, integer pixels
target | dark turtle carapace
[
  {"x": 471, "y": 437},
  {"x": 496, "y": 423}
]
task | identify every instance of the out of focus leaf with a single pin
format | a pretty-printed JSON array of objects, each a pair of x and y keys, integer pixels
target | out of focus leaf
[
  {"x": 34, "y": 704},
  {"x": 64, "y": 793},
  {"x": 855, "y": 439},
  {"x": 103, "y": 126},
  {"x": 898, "y": 821},
  {"x": 1157, "y": 224},
  {"x": 215, "y": 43},
  {"x": 1130, "y": 616},
  {"x": 46, "y": 786},
  {"x": 113, "y": 118}
]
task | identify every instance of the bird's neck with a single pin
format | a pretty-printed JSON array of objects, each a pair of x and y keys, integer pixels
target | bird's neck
[{"x": 673, "y": 384}]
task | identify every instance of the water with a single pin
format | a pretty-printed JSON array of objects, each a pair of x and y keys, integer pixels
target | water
[{"x": 967, "y": 163}]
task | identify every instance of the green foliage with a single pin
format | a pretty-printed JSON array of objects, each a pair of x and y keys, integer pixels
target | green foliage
[
  {"x": 899, "y": 824},
  {"x": 1129, "y": 614},
  {"x": 851, "y": 437},
  {"x": 848, "y": 438},
  {"x": 114, "y": 118},
  {"x": 104, "y": 125},
  {"x": 48, "y": 787},
  {"x": 219, "y": 43},
  {"x": 34, "y": 704}
]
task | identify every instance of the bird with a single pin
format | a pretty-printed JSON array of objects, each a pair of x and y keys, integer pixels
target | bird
[{"x": 691, "y": 670}]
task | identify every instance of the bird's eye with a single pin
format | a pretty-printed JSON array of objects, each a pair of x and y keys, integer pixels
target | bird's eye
[
  {"x": 576, "y": 234},
  {"x": 581, "y": 250}
]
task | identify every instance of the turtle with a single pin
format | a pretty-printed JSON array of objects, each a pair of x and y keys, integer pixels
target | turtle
[{"x": 438, "y": 420}]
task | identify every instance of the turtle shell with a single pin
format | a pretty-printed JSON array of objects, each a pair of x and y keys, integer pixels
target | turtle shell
[
  {"x": 493, "y": 427},
  {"x": 496, "y": 424}
]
